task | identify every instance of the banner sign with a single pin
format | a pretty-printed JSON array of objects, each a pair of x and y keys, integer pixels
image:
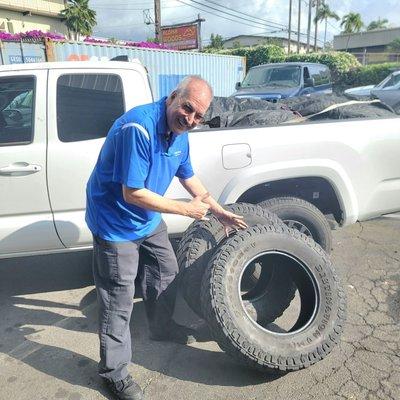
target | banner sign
[{"x": 183, "y": 37}]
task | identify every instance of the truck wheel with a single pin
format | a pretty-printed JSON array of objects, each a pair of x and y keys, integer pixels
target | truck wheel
[
  {"x": 301, "y": 215},
  {"x": 302, "y": 335},
  {"x": 198, "y": 245}
]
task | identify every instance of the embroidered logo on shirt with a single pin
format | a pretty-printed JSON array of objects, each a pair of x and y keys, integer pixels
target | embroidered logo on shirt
[{"x": 177, "y": 153}]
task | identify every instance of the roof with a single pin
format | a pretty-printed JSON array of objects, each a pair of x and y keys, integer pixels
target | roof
[
  {"x": 378, "y": 37},
  {"x": 71, "y": 65},
  {"x": 286, "y": 64},
  {"x": 262, "y": 37}
]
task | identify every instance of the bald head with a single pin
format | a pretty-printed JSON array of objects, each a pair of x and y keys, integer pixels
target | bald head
[
  {"x": 188, "y": 103},
  {"x": 193, "y": 82}
]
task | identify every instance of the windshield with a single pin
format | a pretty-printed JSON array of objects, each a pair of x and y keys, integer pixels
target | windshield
[
  {"x": 273, "y": 76},
  {"x": 390, "y": 81}
]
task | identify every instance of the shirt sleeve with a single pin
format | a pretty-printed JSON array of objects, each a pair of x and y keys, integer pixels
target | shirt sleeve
[
  {"x": 132, "y": 157},
  {"x": 185, "y": 170}
]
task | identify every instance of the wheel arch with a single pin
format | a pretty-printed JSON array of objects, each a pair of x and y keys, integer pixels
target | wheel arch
[{"x": 328, "y": 187}]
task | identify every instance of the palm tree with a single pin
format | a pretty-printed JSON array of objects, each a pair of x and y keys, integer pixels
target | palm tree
[
  {"x": 352, "y": 22},
  {"x": 378, "y": 24},
  {"x": 324, "y": 13},
  {"x": 79, "y": 18}
]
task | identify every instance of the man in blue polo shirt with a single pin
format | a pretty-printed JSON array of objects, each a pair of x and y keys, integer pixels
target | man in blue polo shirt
[{"x": 143, "y": 151}]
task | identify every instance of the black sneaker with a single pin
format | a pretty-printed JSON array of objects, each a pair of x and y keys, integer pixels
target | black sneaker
[
  {"x": 127, "y": 389},
  {"x": 174, "y": 332}
]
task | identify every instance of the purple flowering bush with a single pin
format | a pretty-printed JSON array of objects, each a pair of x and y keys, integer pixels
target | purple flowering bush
[
  {"x": 35, "y": 34},
  {"x": 149, "y": 45}
]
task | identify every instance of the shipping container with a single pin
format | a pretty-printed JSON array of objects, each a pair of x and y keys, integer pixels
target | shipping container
[
  {"x": 17, "y": 52},
  {"x": 166, "y": 67}
]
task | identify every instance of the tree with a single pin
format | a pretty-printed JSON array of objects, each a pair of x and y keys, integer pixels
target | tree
[
  {"x": 352, "y": 23},
  {"x": 325, "y": 13},
  {"x": 79, "y": 18},
  {"x": 378, "y": 24},
  {"x": 216, "y": 41},
  {"x": 394, "y": 45}
]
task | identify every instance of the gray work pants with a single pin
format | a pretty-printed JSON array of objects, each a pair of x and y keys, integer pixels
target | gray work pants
[{"x": 115, "y": 268}]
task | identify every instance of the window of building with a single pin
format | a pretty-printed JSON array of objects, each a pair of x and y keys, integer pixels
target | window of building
[
  {"x": 17, "y": 110},
  {"x": 87, "y": 105}
]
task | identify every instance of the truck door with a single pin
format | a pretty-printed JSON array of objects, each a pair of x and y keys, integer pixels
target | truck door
[
  {"x": 26, "y": 223},
  {"x": 83, "y": 104}
]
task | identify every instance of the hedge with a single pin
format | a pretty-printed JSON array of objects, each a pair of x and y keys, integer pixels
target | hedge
[
  {"x": 256, "y": 55},
  {"x": 340, "y": 63},
  {"x": 369, "y": 74},
  {"x": 345, "y": 68}
]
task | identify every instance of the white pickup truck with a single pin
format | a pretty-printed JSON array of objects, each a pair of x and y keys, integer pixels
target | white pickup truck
[{"x": 54, "y": 117}]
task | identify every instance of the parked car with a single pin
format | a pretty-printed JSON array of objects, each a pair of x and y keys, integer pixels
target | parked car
[
  {"x": 278, "y": 81},
  {"x": 390, "y": 83},
  {"x": 348, "y": 169}
]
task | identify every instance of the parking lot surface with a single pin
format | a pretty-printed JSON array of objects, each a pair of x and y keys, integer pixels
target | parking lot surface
[{"x": 49, "y": 344}]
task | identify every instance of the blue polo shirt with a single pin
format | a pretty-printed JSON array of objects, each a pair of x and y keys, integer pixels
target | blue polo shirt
[{"x": 136, "y": 154}]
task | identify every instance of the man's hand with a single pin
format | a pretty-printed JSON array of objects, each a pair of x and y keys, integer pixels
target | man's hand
[
  {"x": 231, "y": 221},
  {"x": 196, "y": 208}
]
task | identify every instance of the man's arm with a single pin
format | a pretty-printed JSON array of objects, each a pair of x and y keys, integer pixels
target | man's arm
[
  {"x": 194, "y": 186},
  {"x": 145, "y": 198},
  {"x": 229, "y": 220}
]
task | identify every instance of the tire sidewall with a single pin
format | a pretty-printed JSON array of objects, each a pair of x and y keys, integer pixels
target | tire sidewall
[{"x": 232, "y": 314}]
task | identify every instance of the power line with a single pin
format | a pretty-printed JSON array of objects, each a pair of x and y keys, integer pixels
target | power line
[
  {"x": 235, "y": 16},
  {"x": 216, "y": 15},
  {"x": 243, "y": 13}
]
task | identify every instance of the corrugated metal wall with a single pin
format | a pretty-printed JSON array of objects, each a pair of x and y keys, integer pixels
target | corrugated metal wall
[
  {"x": 165, "y": 67},
  {"x": 22, "y": 52}
]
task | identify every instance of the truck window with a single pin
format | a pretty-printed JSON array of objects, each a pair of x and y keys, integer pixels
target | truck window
[
  {"x": 320, "y": 74},
  {"x": 87, "y": 105},
  {"x": 16, "y": 110}
]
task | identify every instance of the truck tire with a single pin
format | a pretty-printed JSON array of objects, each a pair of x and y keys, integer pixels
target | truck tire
[
  {"x": 301, "y": 215},
  {"x": 316, "y": 328},
  {"x": 198, "y": 245}
]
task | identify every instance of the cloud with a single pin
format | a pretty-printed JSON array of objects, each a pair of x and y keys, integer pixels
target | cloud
[{"x": 124, "y": 19}]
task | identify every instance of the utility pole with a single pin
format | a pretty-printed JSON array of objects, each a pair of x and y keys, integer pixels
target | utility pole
[
  {"x": 316, "y": 25},
  {"x": 298, "y": 29},
  {"x": 290, "y": 25},
  {"x": 157, "y": 20},
  {"x": 310, "y": 4},
  {"x": 199, "y": 21}
]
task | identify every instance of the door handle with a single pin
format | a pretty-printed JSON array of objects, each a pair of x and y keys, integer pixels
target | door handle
[{"x": 19, "y": 169}]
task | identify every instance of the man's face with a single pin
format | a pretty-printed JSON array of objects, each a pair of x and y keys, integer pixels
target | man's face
[{"x": 185, "y": 112}]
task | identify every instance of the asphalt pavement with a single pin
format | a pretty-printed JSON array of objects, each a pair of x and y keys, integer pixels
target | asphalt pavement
[{"x": 49, "y": 344}]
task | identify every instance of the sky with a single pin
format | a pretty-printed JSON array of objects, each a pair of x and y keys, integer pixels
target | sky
[{"x": 125, "y": 19}]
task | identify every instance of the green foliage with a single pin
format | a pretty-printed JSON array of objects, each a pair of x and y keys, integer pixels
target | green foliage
[
  {"x": 351, "y": 23},
  {"x": 236, "y": 44},
  {"x": 256, "y": 55},
  {"x": 378, "y": 24},
  {"x": 79, "y": 18},
  {"x": 394, "y": 45},
  {"x": 216, "y": 41},
  {"x": 324, "y": 13},
  {"x": 340, "y": 63},
  {"x": 368, "y": 74}
]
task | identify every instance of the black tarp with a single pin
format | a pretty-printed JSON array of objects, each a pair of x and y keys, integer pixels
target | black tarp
[{"x": 230, "y": 111}]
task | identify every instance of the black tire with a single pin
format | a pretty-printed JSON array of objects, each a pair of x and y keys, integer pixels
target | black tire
[
  {"x": 199, "y": 243},
  {"x": 301, "y": 215},
  {"x": 315, "y": 330}
]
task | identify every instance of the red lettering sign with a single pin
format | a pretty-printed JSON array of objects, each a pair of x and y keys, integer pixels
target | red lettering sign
[{"x": 180, "y": 37}]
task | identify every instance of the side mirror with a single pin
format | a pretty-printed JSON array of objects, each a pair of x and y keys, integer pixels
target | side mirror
[
  {"x": 238, "y": 85},
  {"x": 309, "y": 82}
]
